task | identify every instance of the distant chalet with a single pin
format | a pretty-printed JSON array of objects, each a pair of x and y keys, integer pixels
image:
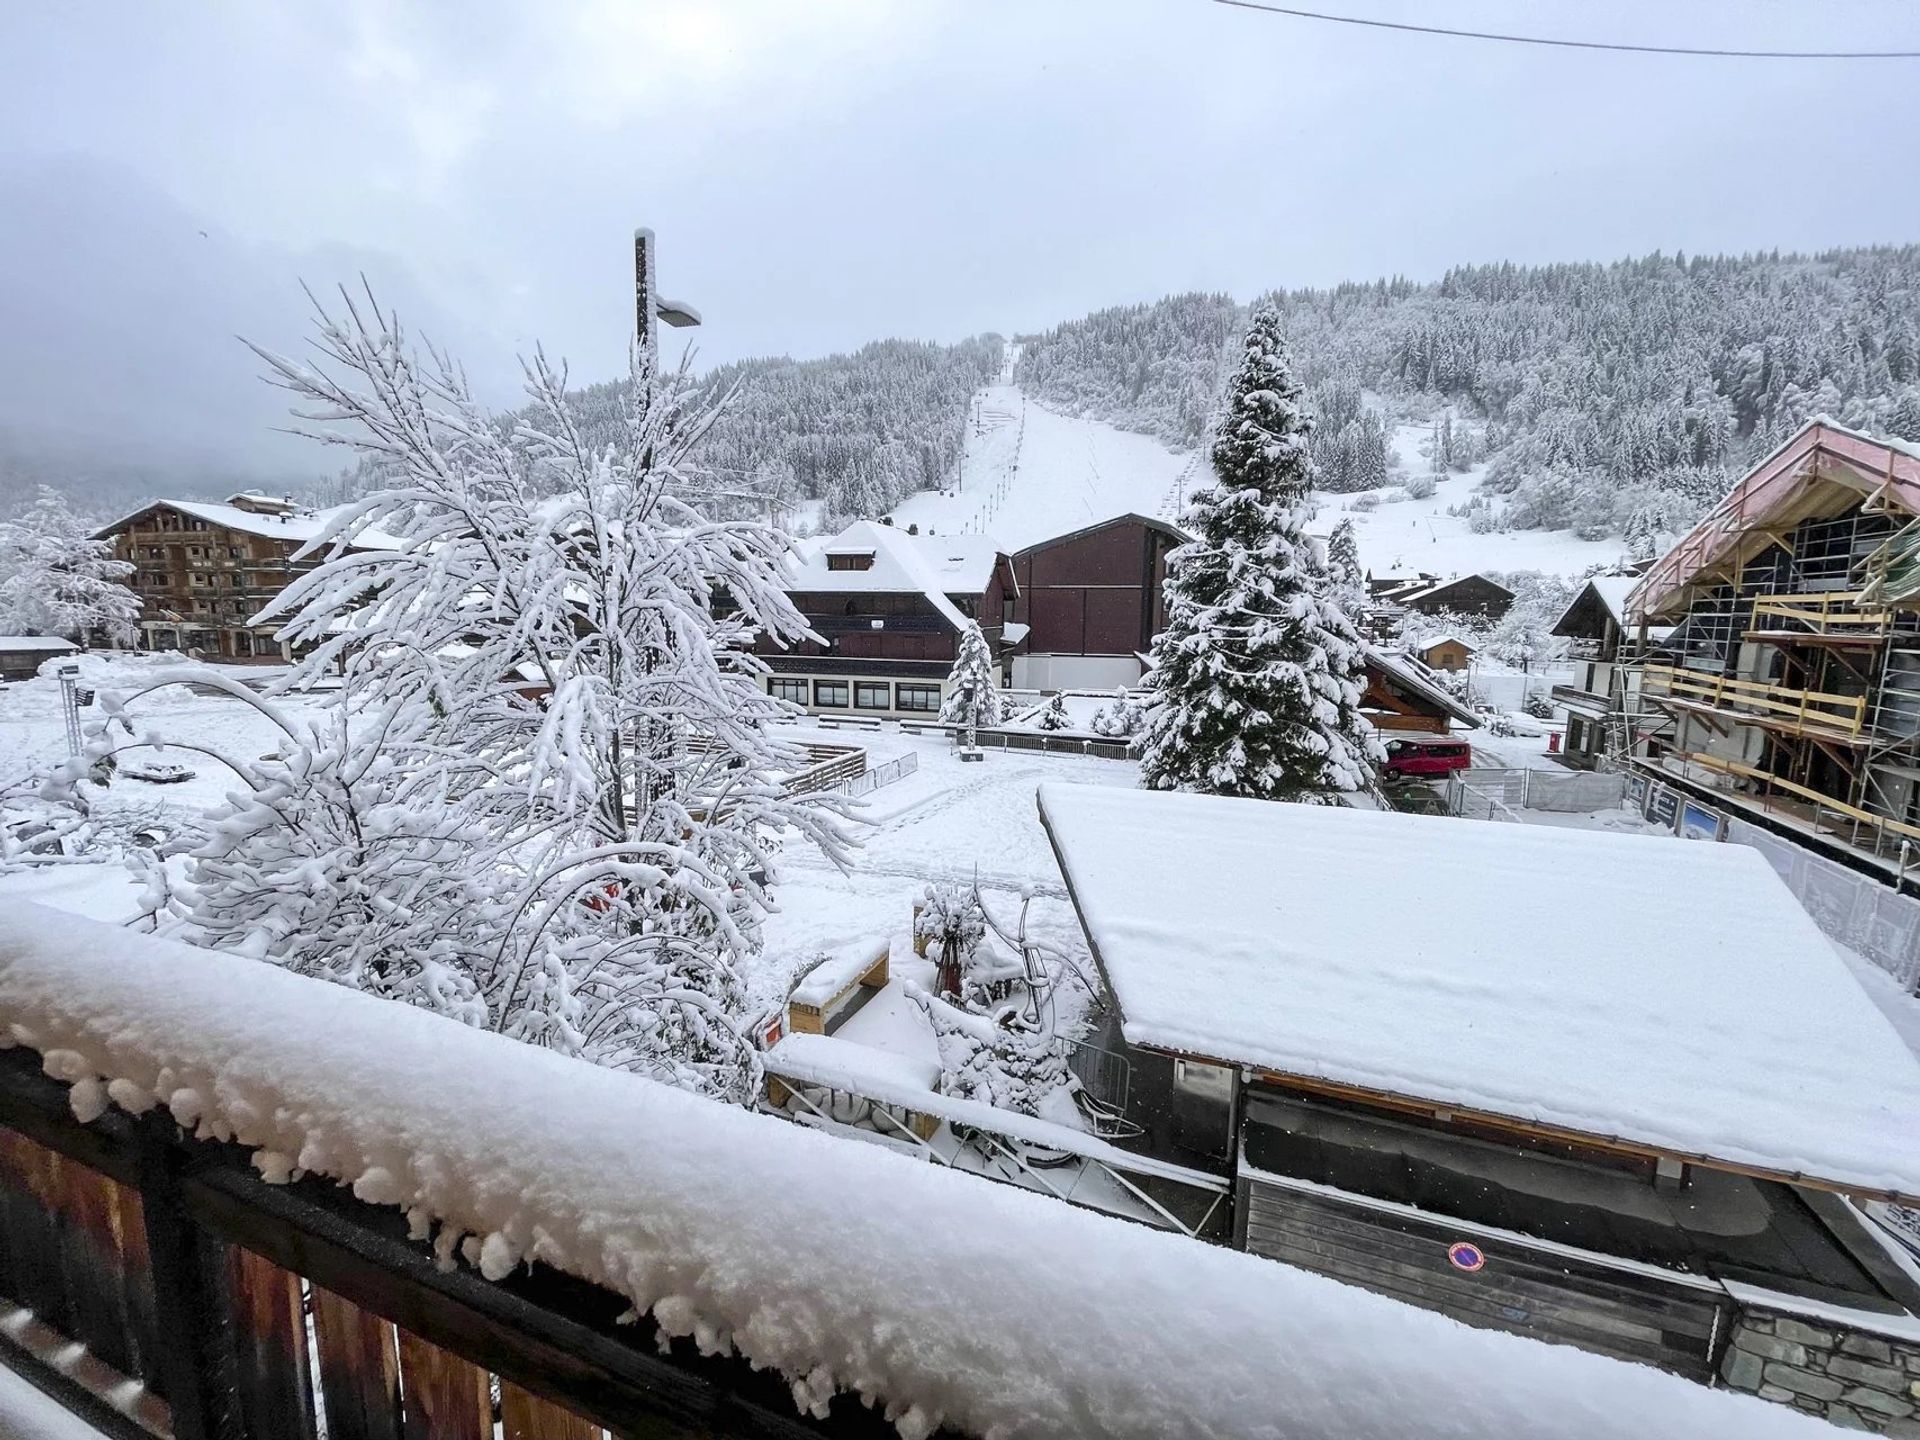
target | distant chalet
[
  {"x": 1430, "y": 595},
  {"x": 203, "y": 570}
]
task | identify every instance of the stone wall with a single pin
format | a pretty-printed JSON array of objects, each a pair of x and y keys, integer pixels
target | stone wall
[{"x": 1855, "y": 1378}]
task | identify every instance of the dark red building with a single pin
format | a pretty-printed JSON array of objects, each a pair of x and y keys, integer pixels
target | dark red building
[{"x": 1086, "y": 605}]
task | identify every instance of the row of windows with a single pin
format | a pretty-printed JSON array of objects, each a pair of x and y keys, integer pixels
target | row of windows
[{"x": 865, "y": 694}]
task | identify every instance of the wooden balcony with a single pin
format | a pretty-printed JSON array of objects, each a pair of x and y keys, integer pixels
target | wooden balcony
[
  {"x": 1817, "y": 713},
  {"x": 1836, "y": 617}
]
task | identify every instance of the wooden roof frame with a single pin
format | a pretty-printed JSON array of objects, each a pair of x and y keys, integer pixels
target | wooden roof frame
[{"x": 1822, "y": 469}]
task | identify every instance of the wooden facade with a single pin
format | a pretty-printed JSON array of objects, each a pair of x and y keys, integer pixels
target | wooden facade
[
  {"x": 1449, "y": 653},
  {"x": 200, "y": 582},
  {"x": 1092, "y": 601},
  {"x": 1468, "y": 595}
]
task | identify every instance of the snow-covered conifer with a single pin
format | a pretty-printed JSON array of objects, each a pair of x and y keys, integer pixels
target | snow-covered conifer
[
  {"x": 1054, "y": 716},
  {"x": 973, "y": 696},
  {"x": 1347, "y": 581},
  {"x": 1000, "y": 1059},
  {"x": 1120, "y": 720},
  {"x": 1256, "y": 681},
  {"x": 56, "y": 579}
]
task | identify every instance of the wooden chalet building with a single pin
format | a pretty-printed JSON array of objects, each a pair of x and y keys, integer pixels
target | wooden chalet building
[
  {"x": 1463, "y": 595},
  {"x": 1789, "y": 679},
  {"x": 203, "y": 570},
  {"x": 1086, "y": 605},
  {"x": 1403, "y": 694},
  {"x": 21, "y": 656},
  {"x": 1482, "y": 1101},
  {"x": 1596, "y": 701},
  {"x": 888, "y": 607},
  {"x": 1445, "y": 652}
]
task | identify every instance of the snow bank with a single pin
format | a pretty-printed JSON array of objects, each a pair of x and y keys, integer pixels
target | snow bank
[{"x": 948, "y": 1298}]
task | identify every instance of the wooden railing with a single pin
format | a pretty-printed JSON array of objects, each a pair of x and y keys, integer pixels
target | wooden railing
[
  {"x": 155, "y": 1285},
  {"x": 1816, "y": 711},
  {"x": 1837, "y": 614},
  {"x": 1842, "y": 812}
]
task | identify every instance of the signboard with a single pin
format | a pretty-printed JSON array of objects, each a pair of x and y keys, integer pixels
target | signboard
[
  {"x": 1637, "y": 791},
  {"x": 1699, "y": 822},
  {"x": 770, "y": 1036},
  {"x": 1663, "y": 806},
  {"x": 1464, "y": 1255}
]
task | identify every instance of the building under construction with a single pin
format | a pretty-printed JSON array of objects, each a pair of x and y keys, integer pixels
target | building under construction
[{"x": 1789, "y": 681}]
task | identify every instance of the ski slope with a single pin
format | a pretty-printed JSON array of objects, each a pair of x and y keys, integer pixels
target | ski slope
[{"x": 1030, "y": 474}]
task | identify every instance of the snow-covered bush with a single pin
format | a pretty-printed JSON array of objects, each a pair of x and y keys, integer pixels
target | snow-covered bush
[
  {"x": 999, "y": 1059},
  {"x": 1365, "y": 503},
  {"x": 1122, "y": 719},
  {"x": 1420, "y": 487},
  {"x": 1055, "y": 716},
  {"x": 950, "y": 927}
]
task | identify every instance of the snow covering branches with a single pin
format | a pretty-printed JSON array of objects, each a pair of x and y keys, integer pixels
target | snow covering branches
[
  {"x": 973, "y": 698},
  {"x": 1255, "y": 683},
  {"x": 552, "y": 733},
  {"x": 56, "y": 579}
]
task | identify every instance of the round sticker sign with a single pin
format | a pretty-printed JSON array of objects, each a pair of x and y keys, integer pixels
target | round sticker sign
[{"x": 1464, "y": 1256}]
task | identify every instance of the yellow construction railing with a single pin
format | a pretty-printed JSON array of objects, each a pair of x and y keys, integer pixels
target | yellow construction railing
[
  {"x": 1829, "y": 613},
  {"x": 1818, "y": 710}
]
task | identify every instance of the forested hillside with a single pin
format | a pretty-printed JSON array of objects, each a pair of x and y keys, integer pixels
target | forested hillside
[
  {"x": 858, "y": 432},
  {"x": 1609, "y": 398}
]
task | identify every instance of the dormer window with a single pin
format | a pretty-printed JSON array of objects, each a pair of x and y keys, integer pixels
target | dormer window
[{"x": 850, "y": 560}]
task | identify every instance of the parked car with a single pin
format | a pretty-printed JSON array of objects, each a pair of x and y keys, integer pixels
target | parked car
[
  {"x": 1409, "y": 759},
  {"x": 155, "y": 772}
]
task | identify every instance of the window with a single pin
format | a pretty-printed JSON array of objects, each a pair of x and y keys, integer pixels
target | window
[
  {"x": 198, "y": 578},
  {"x": 870, "y": 695},
  {"x": 851, "y": 560},
  {"x": 830, "y": 692},
  {"x": 924, "y": 699},
  {"x": 784, "y": 689},
  {"x": 194, "y": 551},
  {"x": 1006, "y": 610}
]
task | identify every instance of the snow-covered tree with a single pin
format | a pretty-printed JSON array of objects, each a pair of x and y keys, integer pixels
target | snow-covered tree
[
  {"x": 1054, "y": 716},
  {"x": 950, "y": 927},
  {"x": 1002, "y": 1059},
  {"x": 557, "y": 656},
  {"x": 973, "y": 696},
  {"x": 56, "y": 579},
  {"x": 1256, "y": 681},
  {"x": 1121, "y": 719},
  {"x": 1346, "y": 580}
]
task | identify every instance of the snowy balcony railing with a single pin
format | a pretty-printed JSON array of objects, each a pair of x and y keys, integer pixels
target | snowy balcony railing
[{"x": 239, "y": 1203}]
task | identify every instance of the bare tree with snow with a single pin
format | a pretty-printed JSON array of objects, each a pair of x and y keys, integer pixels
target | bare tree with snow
[{"x": 550, "y": 705}]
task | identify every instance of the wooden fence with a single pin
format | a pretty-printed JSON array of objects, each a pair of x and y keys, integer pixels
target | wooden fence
[{"x": 173, "y": 1292}]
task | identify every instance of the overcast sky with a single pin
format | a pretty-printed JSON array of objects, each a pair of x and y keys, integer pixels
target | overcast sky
[{"x": 829, "y": 172}]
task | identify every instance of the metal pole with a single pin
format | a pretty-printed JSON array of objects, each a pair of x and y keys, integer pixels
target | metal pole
[{"x": 70, "y": 707}]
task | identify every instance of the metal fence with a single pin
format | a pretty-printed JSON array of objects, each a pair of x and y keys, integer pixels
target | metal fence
[
  {"x": 1496, "y": 794},
  {"x": 894, "y": 769}
]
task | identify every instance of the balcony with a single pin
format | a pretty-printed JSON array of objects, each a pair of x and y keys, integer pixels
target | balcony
[
  {"x": 1817, "y": 713},
  {"x": 1835, "y": 617}
]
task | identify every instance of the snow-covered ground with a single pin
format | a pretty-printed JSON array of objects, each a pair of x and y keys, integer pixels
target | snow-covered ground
[{"x": 1030, "y": 474}]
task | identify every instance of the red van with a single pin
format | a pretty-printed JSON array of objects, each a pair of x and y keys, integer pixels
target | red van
[{"x": 1410, "y": 759}]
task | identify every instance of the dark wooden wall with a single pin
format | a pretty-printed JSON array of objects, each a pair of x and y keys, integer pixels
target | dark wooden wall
[{"x": 1098, "y": 592}]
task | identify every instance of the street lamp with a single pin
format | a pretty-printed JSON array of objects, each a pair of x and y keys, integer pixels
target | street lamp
[{"x": 649, "y": 308}]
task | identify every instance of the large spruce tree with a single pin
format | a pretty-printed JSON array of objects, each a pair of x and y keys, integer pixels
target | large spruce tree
[{"x": 1256, "y": 680}]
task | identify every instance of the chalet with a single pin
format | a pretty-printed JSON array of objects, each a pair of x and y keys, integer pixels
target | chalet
[
  {"x": 888, "y": 608},
  {"x": 203, "y": 570},
  {"x": 1383, "y": 585},
  {"x": 1482, "y": 1108},
  {"x": 1445, "y": 652},
  {"x": 1464, "y": 595},
  {"x": 1403, "y": 694},
  {"x": 1790, "y": 679},
  {"x": 1596, "y": 625},
  {"x": 1086, "y": 605}
]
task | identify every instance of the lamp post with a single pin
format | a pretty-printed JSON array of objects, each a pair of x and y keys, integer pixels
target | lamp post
[{"x": 649, "y": 308}]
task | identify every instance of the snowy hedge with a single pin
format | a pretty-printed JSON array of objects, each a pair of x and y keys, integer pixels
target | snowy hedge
[{"x": 942, "y": 1297}]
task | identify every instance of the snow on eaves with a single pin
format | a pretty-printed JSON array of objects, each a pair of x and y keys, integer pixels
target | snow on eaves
[
  {"x": 35, "y": 642},
  {"x": 930, "y": 565},
  {"x": 940, "y": 1296},
  {"x": 299, "y": 526},
  {"x": 1626, "y": 987}
]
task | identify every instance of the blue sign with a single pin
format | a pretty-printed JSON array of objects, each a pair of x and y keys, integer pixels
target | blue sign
[{"x": 1465, "y": 1256}]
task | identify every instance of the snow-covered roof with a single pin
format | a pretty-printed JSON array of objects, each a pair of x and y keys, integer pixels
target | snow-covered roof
[
  {"x": 1426, "y": 591},
  {"x": 299, "y": 526},
  {"x": 35, "y": 642},
  {"x": 935, "y": 566},
  {"x": 834, "y": 1264},
  {"x": 1666, "y": 994},
  {"x": 1411, "y": 673},
  {"x": 1447, "y": 637}
]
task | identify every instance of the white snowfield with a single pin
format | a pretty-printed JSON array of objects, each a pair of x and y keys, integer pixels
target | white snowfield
[
  {"x": 1673, "y": 995},
  {"x": 997, "y": 1311},
  {"x": 1030, "y": 474}
]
